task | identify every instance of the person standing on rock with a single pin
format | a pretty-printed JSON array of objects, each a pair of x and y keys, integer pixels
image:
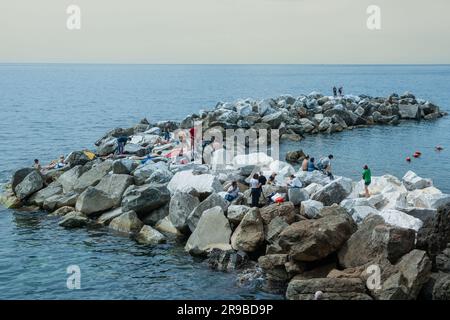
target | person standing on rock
[
  {"x": 305, "y": 163},
  {"x": 367, "y": 177},
  {"x": 341, "y": 91},
  {"x": 335, "y": 92},
  {"x": 255, "y": 186},
  {"x": 324, "y": 165},
  {"x": 121, "y": 142}
]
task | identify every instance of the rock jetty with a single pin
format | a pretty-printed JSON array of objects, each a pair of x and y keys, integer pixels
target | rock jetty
[{"x": 325, "y": 236}]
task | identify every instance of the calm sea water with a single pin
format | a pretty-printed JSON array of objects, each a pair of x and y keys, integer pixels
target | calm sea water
[{"x": 46, "y": 110}]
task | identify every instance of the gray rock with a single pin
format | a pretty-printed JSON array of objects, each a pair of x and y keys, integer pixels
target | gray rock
[
  {"x": 249, "y": 234},
  {"x": 60, "y": 200},
  {"x": 93, "y": 176},
  {"x": 106, "y": 217},
  {"x": 311, "y": 208},
  {"x": 213, "y": 231},
  {"x": 273, "y": 266},
  {"x": 74, "y": 220},
  {"x": 297, "y": 195},
  {"x": 160, "y": 176},
  {"x": 359, "y": 213},
  {"x": 412, "y": 181},
  {"x": 148, "y": 235},
  {"x": 18, "y": 176},
  {"x": 334, "y": 192},
  {"x": 274, "y": 228},
  {"x": 227, "y": 260},
  {"x": 156, "y": 215},
  {"x": 180, "y": 207},
  {"x": 274, "y": 119},
  {"x": 76, "y": 158},
  {"x": 124, "y": 166},
  {"x": 39, "y": 197},
  {"x": 127, "y": 222},
  {"x": 93, "y": 200},
  {"x": 144, "y": 199},
  {"x": 114, "y": 185},
  {"x": 69, "y": 178},
  {"x": 32, "y": 183},
  {"x": 213, "y": 200},
  {"x": 409, "y": 111},
  {"x": 443, "y": 261},
  {"x": 235, "y": 213}
]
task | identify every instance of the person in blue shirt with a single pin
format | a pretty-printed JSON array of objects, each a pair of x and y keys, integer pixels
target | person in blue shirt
[{"x": 311, "y": 165}]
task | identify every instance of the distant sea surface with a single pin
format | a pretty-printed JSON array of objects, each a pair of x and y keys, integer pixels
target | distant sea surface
[{"x": 52, "y": 109}]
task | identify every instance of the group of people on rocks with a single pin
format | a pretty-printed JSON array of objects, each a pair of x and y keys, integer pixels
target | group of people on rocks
[
  {"x": 324, "y": 165},
  {"x": 337, "y": 91},
  {"x": 55, "y": 164}
]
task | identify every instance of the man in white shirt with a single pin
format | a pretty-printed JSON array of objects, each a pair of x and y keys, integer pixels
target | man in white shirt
[{"x": 294, "y": 182}]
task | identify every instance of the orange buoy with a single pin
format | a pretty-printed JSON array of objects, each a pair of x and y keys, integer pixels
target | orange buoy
[
  {"x": 418, "y": 152},
  {"x": 408, "y": 159}
]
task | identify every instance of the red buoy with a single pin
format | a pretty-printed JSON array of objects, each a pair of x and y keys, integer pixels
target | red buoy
[
  {"x": 408, "y": 159},
  {"x": 416, "y": 155},
  {"x": 419, "y": 153}
]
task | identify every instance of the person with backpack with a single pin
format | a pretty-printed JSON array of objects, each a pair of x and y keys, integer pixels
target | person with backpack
[{"x": 367, "y": 177}]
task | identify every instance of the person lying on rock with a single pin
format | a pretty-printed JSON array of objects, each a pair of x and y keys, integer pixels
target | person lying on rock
[
  {"x": 57, "y": 164},
  {"x": 232, "y": 192}
]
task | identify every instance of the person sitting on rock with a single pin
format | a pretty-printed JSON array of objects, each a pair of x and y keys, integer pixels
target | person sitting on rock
[
  {"x": 367, "y": 177},
  {"x": 311, "y": 165},
  {"x": 271, "y": 180},
  {"x": 305, "y": 163},
  {"x": 324, "y": 165},
  {"x": 37, "y": 165},
  {"x": 294, "y": 182},
  {"x": 232, "y": 192}
]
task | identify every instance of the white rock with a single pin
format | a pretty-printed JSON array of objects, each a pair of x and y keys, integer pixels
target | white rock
[
  {"x": 237, "y": 212},
  {"x": 311, "y": 208},
  {"x": 412, "y": 181},
  {"x": 258, "y": 159},
  {"x": 400, "y": 219},
  {"x": 312, "y": 188},
  {"x": 428, "y": 198},
  {"x": 358, "y": 213},
  {"x": 184, "y": 181},
  {"x": 349, "y": 203}
]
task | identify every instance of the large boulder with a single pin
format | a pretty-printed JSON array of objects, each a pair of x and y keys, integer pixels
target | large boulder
[
  {"x": 297, "y": 195},
  {"x": 127, "y": 222},
  {"x": 401, "y": 219},
  {"x": 39, "y": 197},
  {"x": 141, "y": 174},
  {"x": 311, "y": 240},
  {"x": 203, "y": 184},
  {"x": 155, "y": 216},
  {"x": 274, "y": 268},
  {"x": 18, "y": 176},
  {"x": 124, "y": 166},
  {"x": 235, "y": 213},
  {"x": 428, "y": 198},
  {"x": 311, "y": 208},
  {"x": 69, "y": 178},
  {"x": 92, "y": 176},
  {"x": 274, "y": 228},
  {"x": 434, "y": 235},
  {"x": 114, "y": 185},
  {"x": 93, "y": 200},
  {"x": 412, "y": 181},
  {"x": 375, "y": 240},
  {"x": 212, "y": 201},
  {"x": 249, "y": 234},
  {"x": 227, "y": 260},
  {"x": 331, "y": 289},
  {"x": 105, "y": 218},
  {"x": 359, "y": 213},
  {"x": 295, "y": 156},
  {"x": 274, "y": 119},
  {"x": 409, "y": 111},
  {"x": 437, "y": 287},
  {"x": 332, "y": 193},
  {"x": 60, "y": 200},
  {"x": 74, "y": 219},
  {"x": 180, "y": 207},
  {"x": 213, "y": 231},
  {"x": 285, "y": 210},
  {"x": 412, "y": 273},
  {"x": 144, "y": 199},
  {"x": 148, "y": 235},
  {"x": 32, "y": 183},
  {"x": 77, "y": 158}
]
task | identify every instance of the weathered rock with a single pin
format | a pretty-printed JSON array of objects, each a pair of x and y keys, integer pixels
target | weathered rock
[
  {"x": 311, "y": 208},
  {"x": 409, "y": 111},
  {"x": 180, "y": 207},
  {"x": 235, "y": 213},
  {"x": 359, "y": 213},
  {"x": 124, "y": 166},
  {"x": 295, "y": 156},
  {"x": 428, "y": 198},
  {"x": 143, "y": 173},
  {"x": 32, "y": 183},
  {"x": 297, "y": 195},
  {"x": 144, "y": 199},
  {"x": 127, "y": 222},
  {"x": 77, "y": 158},
  {"x": 69, "y": 178},
  {"x": 374, "y": 240},
  {"x": 274, "y": 119},
  {"x": 148, "y": 235},
  {"x": 412, "y": 181},
  {"x": 273, "y": 266},
  {"x": 165, "y": 226},
  {"x": 332, "y": 289},
  {"x": 437, "y": 287},
  {"x": 274, "y": 228},
  {"x": 400, "y": 219},
  {"x": 249, "y": 234},
  {"x": 160, "y": 176},
  {"x": 60, "y": 200},
  {"x": 434, "y": 235},
  {"x": 227, "y": 260},
  {"x": 18, "y": 177},
  {"x": 212, "y": 201},
  {"x": 311, "y": 240},
  {"x": 334, "y": 192},
  {"x": 203, "y": 184},
  {"x": 213, "y": 231},
  {"x": 106, "y": 217},
  {"x": 74, "y": 220},
  {"x": 92, "y": 176},
  {"x": 93, "y": 200},
  {"x": 39, "y": 197},
  {"x": 114, "y": 185},
  {"x": 413, "y": 271},
  {"x": 285, "y": 210},
  {"x": 443, "y": 260},
  {"x": 312, "y": 188}
]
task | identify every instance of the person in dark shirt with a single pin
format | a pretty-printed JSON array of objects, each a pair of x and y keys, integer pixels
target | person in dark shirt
[
  {"x": 121, "y": 142},
  {"x": 334, "y": 91}
]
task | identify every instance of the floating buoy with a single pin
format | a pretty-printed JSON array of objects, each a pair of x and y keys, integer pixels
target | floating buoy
[
  {"x": 416, "y": 155},
  {"x": 439, "y": 148},
  {"x": 408, "y": 159},
  {"x": 419, "y": 153}
]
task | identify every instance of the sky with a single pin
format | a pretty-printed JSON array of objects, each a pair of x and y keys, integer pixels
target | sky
[{"x": 225, "y": 31}]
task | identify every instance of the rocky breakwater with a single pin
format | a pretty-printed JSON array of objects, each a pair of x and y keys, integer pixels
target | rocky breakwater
[{"x": 314, "y": 113}]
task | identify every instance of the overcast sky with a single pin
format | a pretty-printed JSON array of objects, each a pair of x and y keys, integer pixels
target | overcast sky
[{"x": 225, "y": 31}]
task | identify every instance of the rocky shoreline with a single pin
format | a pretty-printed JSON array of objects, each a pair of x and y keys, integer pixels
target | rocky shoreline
[{"x": 325, "y": 241}]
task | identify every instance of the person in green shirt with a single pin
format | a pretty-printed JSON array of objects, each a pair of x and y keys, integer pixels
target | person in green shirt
[{"x": 367, "y": 177}]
